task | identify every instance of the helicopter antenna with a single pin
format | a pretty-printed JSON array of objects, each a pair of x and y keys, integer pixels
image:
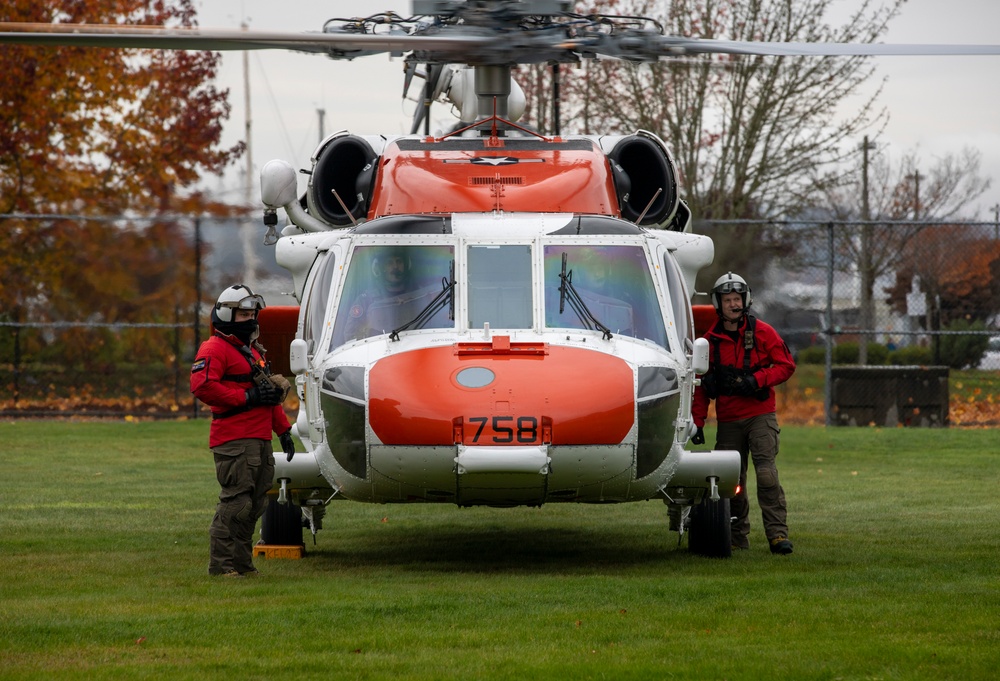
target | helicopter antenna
[
  {"x": 659, "y": 190},
  {"x": 344, "y": 206}
]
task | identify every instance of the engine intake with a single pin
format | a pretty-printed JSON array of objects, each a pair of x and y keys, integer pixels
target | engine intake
[
  {"x": 645, "y": 167},
  {"x": 347, "y": 165}
]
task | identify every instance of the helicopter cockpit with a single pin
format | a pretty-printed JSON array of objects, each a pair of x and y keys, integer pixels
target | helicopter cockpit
[
  {"x": 533, "y": 340},
  {"x": 559, "y": 282}
]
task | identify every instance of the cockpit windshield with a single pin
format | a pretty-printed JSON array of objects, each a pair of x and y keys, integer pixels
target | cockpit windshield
[
  {"x": 391, "y": 287},
  {"x": 614, "y": 285},
  {"x": 395, "y": 289}
]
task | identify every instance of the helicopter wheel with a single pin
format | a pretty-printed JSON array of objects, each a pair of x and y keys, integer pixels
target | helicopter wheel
[
  {"x": 281, "y": 524},
  {"x": 708, "y": 534}
]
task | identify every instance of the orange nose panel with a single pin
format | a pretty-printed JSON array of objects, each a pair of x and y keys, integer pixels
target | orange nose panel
[{"x": 550, "y": 395}]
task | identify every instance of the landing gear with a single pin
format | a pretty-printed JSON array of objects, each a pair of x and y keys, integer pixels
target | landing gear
[
  {"x": 708, "y": 532},
  {"x": 281, "y": 524}
]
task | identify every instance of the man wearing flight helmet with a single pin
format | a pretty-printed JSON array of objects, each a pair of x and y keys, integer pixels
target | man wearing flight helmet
[
  {"x": 747, "y": 359},
  {"x": 382, "y": 305},
  {"x": 231, "y": 376}
]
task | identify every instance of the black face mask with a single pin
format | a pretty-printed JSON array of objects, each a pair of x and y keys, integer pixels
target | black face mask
[{"x": 245, "y": 331}]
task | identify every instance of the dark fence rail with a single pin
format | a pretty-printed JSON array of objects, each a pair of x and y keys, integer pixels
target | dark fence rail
[{"x": 840, "y": 293}]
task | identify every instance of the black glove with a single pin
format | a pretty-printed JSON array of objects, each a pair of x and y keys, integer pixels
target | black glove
[
  {"x": 287, "y": 445},
  {"x": 698, "y": 438},
  {"x": 747, "y": 385},
  {"x": 710, "y": 384},
  {"x": 266, "y": 394}
]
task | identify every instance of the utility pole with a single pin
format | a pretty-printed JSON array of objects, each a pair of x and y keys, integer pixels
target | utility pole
[
  {"x": 866, "y": 146},
  {"x": 247, "y": 230},
  {"x": 996, "y": 222},
  {"x": 865, "y": 266},
  {"x": 916, "y": 177}
]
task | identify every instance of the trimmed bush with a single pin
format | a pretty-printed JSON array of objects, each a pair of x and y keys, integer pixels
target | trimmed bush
[
  {"x": 960, "y": 352},
  {"x": 912, "y": 355}
]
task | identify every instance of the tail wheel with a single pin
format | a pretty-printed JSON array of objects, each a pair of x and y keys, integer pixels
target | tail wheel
[
  {"x": 281, "y": 524},
  {"x": 708, "y": 534}
]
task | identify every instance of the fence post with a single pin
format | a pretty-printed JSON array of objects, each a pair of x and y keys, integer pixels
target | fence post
[
  {"x": 177, "y": 353},
  {"x": 828, "y": 336},
  {"x": 197, "y": 299},
  {"x": 17, "y": 358}
]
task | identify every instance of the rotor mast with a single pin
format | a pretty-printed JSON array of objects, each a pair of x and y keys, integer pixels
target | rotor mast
[{"x": 492, "y": 85}]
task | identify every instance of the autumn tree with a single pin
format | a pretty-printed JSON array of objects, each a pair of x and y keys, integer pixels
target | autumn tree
[
  {"x": 956, "y": 268},
  {"x": 892, "y": 204},
  {"x": 103, "y": 132},
  {"x": 751, "y": 134}
]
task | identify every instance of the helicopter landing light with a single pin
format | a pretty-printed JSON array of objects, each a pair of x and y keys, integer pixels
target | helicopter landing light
[
  {"x": 503, "y": 460},
  {"x": 475, "y": 377}
]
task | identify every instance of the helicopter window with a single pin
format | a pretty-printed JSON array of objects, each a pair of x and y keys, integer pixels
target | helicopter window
[
  {"x": 614, "y": 285},
  {"x": 500, "y": 287},
  {"x": 680, "y": 301},
  {"x": 315, "y": 317},
  {"x": 388, "y": 287}
]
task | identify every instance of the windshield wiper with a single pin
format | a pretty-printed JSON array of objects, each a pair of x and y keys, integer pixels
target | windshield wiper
[
  {"x": 432, "y": 308},
  {"x": 568, "y": 292}
]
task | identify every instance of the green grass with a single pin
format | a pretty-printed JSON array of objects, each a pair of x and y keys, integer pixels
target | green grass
[{"x": 103, "y": 552}]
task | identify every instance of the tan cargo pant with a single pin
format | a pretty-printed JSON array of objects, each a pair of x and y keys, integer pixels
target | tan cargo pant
[
  {"x": 245, "y": 470},
  {"x": 756, "y": 438}
]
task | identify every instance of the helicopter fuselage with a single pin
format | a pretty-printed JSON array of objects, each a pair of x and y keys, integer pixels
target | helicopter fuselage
[{"x": 494, "y": 355}]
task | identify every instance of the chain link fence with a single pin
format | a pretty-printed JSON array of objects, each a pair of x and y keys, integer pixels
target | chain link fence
[
  {"x": 90, "y": 365},
  {"x": 891, "y": 323}
]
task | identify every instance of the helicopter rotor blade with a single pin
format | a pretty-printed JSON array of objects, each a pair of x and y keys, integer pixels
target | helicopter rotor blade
[
  {"x": 428, "y": 94},
  {"x": 676, "y": 45},
  {"x": 336, "y": 44},
  {"x": 453, "y": 44}
]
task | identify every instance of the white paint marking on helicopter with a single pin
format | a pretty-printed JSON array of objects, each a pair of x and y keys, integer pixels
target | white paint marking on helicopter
[
  {"x": 510, "y": 225},
  {"x": 492, "y": 161}
]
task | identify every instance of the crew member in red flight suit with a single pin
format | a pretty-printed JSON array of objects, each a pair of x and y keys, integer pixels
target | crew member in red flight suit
[
  {"x": 747, "y": 359},
  {"x": 231, "y": 376}
]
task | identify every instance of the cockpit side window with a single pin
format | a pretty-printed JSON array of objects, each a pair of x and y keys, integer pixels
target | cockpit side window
[
  {"x": 500, "y": 287},
  {"x": 390, "y": 287},
  {"x": 319, "y": 296},
  {"x": 614, "y": 284},
  {"x": 680, "y": 300}
]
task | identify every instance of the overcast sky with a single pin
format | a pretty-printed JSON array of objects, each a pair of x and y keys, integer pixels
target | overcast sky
[{"x": 936, "y": 104}]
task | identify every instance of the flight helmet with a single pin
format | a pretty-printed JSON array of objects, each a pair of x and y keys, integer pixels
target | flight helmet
[{"x": 731, "y": 283}]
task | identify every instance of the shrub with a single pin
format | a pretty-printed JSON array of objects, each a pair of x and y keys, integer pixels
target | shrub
[
  {"x": 814, "y": 354},
  {"x": 960, "y": 352},
  {"x": 911, "y": 355},
  {"x": 844, "y": 353},
  {"x": 847, "y": 353}
]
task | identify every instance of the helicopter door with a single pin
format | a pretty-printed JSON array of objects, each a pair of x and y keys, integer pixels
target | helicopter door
[{"x": 314, "y": 316}]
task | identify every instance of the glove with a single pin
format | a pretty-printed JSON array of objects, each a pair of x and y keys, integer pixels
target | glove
[
  {"x": 282, "y": 384},
  {"x": 747, "y": 386},
  {"x": 698, "y": 438},
  {"x": 710, "y": 385},
  {"x": 287, "y": 444},
  {"x": 264, "y": 394}
]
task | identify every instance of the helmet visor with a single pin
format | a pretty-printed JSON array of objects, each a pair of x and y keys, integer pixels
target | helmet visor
[
  {"x": 254, "y": 302},
  {"x": 731, "y": 287}
]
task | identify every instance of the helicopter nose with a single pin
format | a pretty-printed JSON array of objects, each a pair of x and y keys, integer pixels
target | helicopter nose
[{"x": 500, "y": 393}]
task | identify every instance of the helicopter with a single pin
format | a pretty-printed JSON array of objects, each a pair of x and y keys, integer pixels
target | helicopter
[{"x": 489, "y": 316}]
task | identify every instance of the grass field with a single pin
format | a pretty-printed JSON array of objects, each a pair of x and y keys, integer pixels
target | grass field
[{"x": 103, "y": 552}]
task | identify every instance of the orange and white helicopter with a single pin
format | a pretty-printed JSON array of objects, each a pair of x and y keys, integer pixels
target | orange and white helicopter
[{"x": 491, "y": 316}]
